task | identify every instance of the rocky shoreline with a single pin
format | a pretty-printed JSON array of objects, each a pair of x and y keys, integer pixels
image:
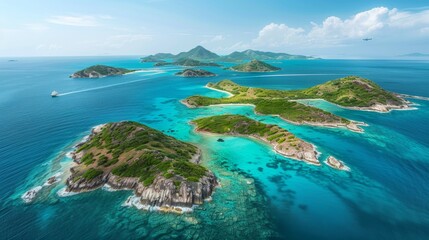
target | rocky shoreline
[
  {"x": 163, "y": 193},
  {"x": 336, "y": 164}
]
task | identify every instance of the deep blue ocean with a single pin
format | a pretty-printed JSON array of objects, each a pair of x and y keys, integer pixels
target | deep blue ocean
[{"x": 263, "y": 195}]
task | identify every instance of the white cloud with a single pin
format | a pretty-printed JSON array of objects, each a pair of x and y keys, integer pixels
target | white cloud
[
  {"x": 279, "y": 34},
  {"x": 79, "y": 21},
  {"x": 334, "y": 30}
]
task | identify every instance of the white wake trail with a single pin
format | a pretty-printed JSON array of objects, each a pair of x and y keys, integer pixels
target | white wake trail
[{"x": 108, "y": 86}]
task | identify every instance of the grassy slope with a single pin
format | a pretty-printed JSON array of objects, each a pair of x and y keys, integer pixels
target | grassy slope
[
  {"x": 104, "y": 70},
  {"x": 254, "y": 66},
  {"x": 349, "y": 92},
  {"x": 130, "y": 149},
  {"x": 241, "y": 125}
]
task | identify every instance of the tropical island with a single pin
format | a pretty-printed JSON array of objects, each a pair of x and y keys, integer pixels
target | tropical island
[
  {"x": 202, "y": 54},
  {"x": 351, "y": 92},
  {"x": 187, "y": 62},
  {"x": 189, "y": 73},
  {"x": 162, "y": 171},
  {"x": 254, "y": 66},
  {"x": 98, "y": 71},
  {"x": 282, "y": 141}
]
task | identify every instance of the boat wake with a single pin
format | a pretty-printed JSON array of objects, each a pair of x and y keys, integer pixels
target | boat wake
[{"x": 109, "y": 86}]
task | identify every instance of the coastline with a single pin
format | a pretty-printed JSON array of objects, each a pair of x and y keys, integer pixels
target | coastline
[
  {"x": 354, "y": 127},
  {"x": 273, "y": 146},
  {"x": 223, "y": 91},
  {"x": 379, "y": 108}
]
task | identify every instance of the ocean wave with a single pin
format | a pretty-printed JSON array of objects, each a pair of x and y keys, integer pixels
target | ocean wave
[
  {"x": 134, "y": 201},
  {"x": 64, "y": 193}
]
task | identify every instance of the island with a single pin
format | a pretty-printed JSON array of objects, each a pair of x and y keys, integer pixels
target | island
[
  {"x": 195, "y": 73},
  {"x": 273, "y": 102},
  {"x": 159, "y": 57},
  {"x": 262, "y": 56},
  {"x": 254, "y": 66},
  {"x": 187, "y": 62},
  {"x": 98, "y": 71},
  {"x": 337, "y": 164},
  {"x": 282, "y": 141},
  {"x": 202, "y": 54},
  {"x": 162, "y": 171},
  {"x": 349, "y": 92}
]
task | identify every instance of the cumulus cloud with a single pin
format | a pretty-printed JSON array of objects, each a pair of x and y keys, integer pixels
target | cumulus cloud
[
  {"x": 334, "y": 30},
  {"x": 78, "y": 21},
  {"x": 278, "y": 34}
]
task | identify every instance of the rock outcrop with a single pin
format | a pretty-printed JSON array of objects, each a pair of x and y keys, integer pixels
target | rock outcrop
[
  {"x": 195, "y": 73},
  {"x": 172, "y": 183}
]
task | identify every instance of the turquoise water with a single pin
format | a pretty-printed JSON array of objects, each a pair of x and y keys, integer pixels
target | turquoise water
[{"x": 263, "y": 195}]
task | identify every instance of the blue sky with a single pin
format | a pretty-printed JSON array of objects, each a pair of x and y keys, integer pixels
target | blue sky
[{"x": 331, "y": 29}]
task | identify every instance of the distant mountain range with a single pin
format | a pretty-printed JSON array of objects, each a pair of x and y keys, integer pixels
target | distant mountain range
[
  {"x": 200, "y": 53},
  {"x": 416, "y": 54}
]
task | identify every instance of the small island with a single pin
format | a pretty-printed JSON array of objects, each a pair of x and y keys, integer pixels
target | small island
[
  {"x": 99, "y": 71},
  {"x": 282, "y": 141},
  {"x": 162, "y": 171},
  {"x": 187, "y": 62},
  {"x": 190, "y": 73},
  {"x": 337, "y": 164},
  {"x": 254, "y": 66}
]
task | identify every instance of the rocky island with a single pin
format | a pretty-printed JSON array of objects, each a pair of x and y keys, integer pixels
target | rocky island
[
  {"x": 282, "y": 141},
  {"x": 337, "y": 164},
  {"x": 162, "y": 171},
  {"x": 99, "y": 71},
  {"x": 254, "y": 66},
  {"x": 195, "y": 73},
  {"x": 187, "y": 62}
]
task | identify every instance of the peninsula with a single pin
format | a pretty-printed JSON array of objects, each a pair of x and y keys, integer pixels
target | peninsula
[
  {"x": 254, "y": 66},
  {"x": 98, "y": 71},
  {"x": 350, "y": 92},
  {"x": 282, "y": 141},
  {"x": 272, "y": 102},
  {"x": 162, "y": 171},
  {"x": 195, "y": 73}
]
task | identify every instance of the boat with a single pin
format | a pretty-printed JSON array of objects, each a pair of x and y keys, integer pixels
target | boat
[{"x": 54, "y": 94}]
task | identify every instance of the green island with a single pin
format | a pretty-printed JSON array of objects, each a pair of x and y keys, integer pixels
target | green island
[
  {"x": 254, "y": 66},
  {"x": 282, "y": 141},
  {"x": 161, "y": 170},
  {"x": 187, "y": 62},
  {"x": 195, "y": 73},
  {"x": 352, "y": 92},
  {"x": 202, "y": 54},
  {"x": 98, "y": 71}
]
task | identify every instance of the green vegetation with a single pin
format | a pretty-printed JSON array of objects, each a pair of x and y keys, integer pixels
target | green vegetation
[
  {"x": 92, "y": 173},
  {"x": 281, "y": 140},
  {"x": 187, "y": 62},
  {"x": 254, "y": 66},
  {"x": 99, "y": 71},
  {"x": 349, "y": 92},
  {"x": 195, "y": 73},
  {"x": 130, "y": 149}
]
